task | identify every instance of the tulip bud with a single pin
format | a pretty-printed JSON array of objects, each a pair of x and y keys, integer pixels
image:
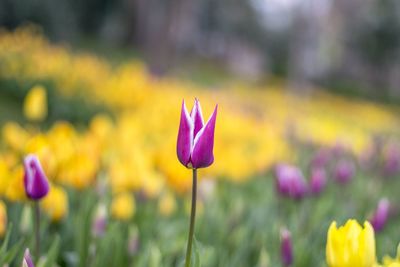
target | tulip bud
[
  {"x": 350, "y": 245},
  {"x": 100, "y": 221},
  {"x": 318, "y": 180},
  {"x": 27, "y": 261},
  {"x": 344, "y": 171},
  {"x": 381, "y": 215},
  {"x": 35, "y": 181},
  {"x": 35, "y": 104},
  {"x": 286, "y": 248},
  {"x": 392, "y": 160},
  {"x": 321, "y": 157},
  {"x": 290, "y": 181},
  {"x": 195, "y": 139}
]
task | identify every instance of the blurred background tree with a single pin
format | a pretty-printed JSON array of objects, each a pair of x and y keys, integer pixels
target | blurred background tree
[{"x": 351, "y": 46}]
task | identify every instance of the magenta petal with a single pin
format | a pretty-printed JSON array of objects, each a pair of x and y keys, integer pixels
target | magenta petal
[
  {"x": 202, "y": 153},
  {"x": 381, "y": 215},
  {"x": 27, "y": 261},
  {"x": 35, "y": 181},
  {"x": 286, "y": 248},
  {"x": 197, "y": 117},
  {"x": 185, "y": 136}
]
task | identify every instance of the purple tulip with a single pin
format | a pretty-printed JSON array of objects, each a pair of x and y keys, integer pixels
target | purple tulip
[
  {"x": 27, "y": 261},
  {"x": 100, "y": 221},
  {"x": 321, "y": 158},
  {"x": 392, "y": 160},
  {"x": 290, "y": 181},
  {"x": 35, "y": 181},
  {"x": 286, "y": 248},
  {"x": 381, "y": 215},
  {"x": 318, "y": 180},
  {"x": 344, "y": 171},
  {"x": 195, "y": 139}
]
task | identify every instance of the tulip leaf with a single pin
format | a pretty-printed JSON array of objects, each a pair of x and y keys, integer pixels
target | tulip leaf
[
  {"x": 11, "y": 253},
  {"x": 3, "y": 248},
  {"x": 53, "y": 252}
]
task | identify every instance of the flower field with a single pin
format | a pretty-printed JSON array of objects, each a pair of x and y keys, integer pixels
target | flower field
[{"x": 106, "y": 136}]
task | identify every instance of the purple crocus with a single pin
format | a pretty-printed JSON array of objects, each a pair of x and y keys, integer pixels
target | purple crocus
[
  {"x": 381, "y": 215},
  {"x": 286, "y": 248},
  {"x": 27, "y": 261},
  {"x": 35, "y": 181},
  {"x": 344, "y": 171},
  {"x": 195, "y": 138},
  {"x": 318, "y": 180},
  {"x": 290, "y": 181}
]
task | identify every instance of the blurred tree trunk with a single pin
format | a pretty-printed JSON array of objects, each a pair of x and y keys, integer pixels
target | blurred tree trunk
[{"x": 163, "y": 27}]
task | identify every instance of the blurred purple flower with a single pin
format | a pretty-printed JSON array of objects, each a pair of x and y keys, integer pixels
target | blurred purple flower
[
  {"x": 321, "y": 158},
  {"x": 35, "y": 181},
  {"x": 344, "y": 171},
  {"x": 392, "y": 160},
  {"x": 27, "y": 260},
  {"x": 286, "y": 248},
  {"x": 318, "y": 180},
  {"x": 100, "y": 221},
  {"x": 195, "y": 139},
  {"x": 290, "y": 181},
  {"x": 381, "y": 215}
]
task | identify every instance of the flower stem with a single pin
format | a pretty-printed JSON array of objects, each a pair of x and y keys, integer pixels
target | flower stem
[
  {"x": 37, "y": 229},
  {"x": 192, "y": 219}
]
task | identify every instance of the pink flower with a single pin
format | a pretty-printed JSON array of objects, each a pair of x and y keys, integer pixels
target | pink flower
[
  {"x": 195, "y": 138},
  {"x": 35, "y": 181},
  {"x": 318, "y": 180},
  {"x": 286, "y": 248},
  {"x": 381, "y": 215},
  {"x": 290, "y": 181}
]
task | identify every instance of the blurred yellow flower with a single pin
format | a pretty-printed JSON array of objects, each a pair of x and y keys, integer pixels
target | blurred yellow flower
[
  {"x": 35, "y": 104},
  {"x": 392, "y": 262},
  {"x": 3, "y": 218},
  {"x": 14, "y": 136},
  {"x": 55, "y": 204},
  {"x": 167, "y": 204},
  {"x": 5, "y": 177},
  {"x": 16, "y": 190},
  {"x": 123, "y": 206},
  {"x": 351, "y": 245}
]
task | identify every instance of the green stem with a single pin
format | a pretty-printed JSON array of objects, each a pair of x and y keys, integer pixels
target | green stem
[
  {"x": 192, "y": 219},
  {"x": 37, "y": 229}
]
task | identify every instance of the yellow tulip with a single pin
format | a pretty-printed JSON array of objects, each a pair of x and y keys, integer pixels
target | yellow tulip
[
  {"x": 3, "y": 218},
  {"x": 55, "y": 204},
  {"x": 14, "y": 136},
  {"x": 15, "y": 189},
  {"x": 351, "y": 245},
  {"x": 4, "y": 177},
  {"x": 123, "y": 206},
  {"x": 392, "y": 262},
  {"x": 35, "y": 104}
]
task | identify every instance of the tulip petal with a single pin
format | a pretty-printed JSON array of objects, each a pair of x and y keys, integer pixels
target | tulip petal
[
  {"x": 185, "y": 136},
  {"x": 197, "y": 117},
  {"x": 36, "y": 184},
  {"x": 202, "y": 152},
  {"x": 27, "y": 261}
]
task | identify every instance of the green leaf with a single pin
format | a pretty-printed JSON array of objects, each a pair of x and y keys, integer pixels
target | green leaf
[
  {"x": 3, "y": 248},
  {"x": 10, "y": 255},
  {"x": 196, "y": 251},
  {"x": 53, "y": 252}
]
